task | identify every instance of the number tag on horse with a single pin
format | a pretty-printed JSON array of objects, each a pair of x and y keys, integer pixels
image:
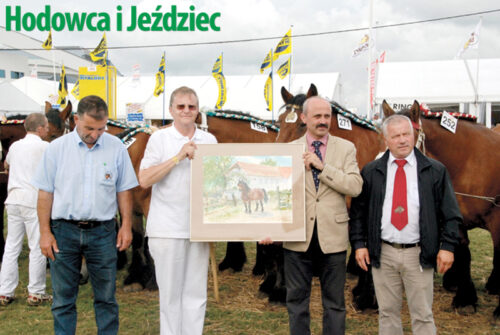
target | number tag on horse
[
  {"x": 343, "y": 122},
  {"x": 129, "y": 142},
  {"x": 258, "y": 127},
  {"x": 449, "y": 122}
]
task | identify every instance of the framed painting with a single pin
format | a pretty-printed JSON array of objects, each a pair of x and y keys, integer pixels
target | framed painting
[{"x": 247, "y": 192}]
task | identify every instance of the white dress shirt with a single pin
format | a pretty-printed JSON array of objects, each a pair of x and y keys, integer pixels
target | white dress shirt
[{"x": 410, "y": 233}]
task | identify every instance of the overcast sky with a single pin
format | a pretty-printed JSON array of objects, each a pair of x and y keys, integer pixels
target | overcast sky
[{"x": 249, "y": 19}]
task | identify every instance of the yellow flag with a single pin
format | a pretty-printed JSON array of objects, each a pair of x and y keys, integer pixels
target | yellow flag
[
  {"x": 76, "y": 90},
  {"x": 47, "y": 45},
  {"x": 284, "y": 46},
  {"x": 160, "y": 78},
  {"x": 221, "y": 82},
  {"x": 62, "y": 92},
  {"x": 267, "y": 61},
  {"x": 268, "y": 92},
  {"x": 101, "y": 51},
  {"x": 284, "y": 69}
]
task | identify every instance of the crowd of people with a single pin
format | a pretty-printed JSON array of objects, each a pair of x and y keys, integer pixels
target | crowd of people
[{"x": 403, "y": 221}]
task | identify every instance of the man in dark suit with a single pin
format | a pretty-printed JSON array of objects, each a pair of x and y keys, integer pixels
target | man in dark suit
[{"x": 404, "y": 223}]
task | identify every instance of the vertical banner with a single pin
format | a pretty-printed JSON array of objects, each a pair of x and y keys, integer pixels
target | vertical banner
[
  {"x": 268, "y": 92},
  {"x": 221, "y": 82}
]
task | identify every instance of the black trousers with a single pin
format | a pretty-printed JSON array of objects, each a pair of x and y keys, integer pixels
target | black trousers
[{"x": 299, "y": 270}]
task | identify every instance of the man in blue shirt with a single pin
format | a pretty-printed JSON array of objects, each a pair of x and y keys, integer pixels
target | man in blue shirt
[{"x": 82, "y": 179}]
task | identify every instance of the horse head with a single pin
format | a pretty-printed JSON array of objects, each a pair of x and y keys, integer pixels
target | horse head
[
  {"x": 243, "y": 186},
  {"x": 59, "y": 122},
  {"x": 291, "y": 125}
]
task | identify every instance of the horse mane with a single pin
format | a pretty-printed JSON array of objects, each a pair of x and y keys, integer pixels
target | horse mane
[
  {"x": 245, "y": 185},
  {"x": 236, "y": 115},
  {"x": 125, "y": 133},
  {"x": 17, "y": 117},
  {"x": 360, "y": 121}
]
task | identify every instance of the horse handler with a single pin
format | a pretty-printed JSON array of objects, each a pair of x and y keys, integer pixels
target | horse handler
[
  {"x": 404, "y": 223},
  {"x": 82, "y": 179},
  {"x": 21, "y": 161},
  {"x": 181, "y": 266}
]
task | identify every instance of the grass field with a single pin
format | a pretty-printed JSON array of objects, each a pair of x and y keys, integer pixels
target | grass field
[{"x": 243, "y": 311}]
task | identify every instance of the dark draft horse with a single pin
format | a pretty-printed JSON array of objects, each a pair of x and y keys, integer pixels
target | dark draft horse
[
  {"x": 252, "y": 194},
  {"x": 472, "y": 158},
  {"x": 12, "y": 130}
]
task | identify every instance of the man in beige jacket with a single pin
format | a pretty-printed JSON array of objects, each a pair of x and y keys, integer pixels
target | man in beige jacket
[{"x": 332, "y": 173}]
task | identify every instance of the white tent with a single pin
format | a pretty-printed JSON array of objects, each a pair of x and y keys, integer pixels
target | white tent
[
  {"x": 244, "y": 93},
  {"x": 14, "y": 101},
  {"x": 41, "y": 90},
  {"x": 439, "y": 83}
]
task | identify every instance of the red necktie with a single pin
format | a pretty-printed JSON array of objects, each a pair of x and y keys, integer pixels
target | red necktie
[{"x": 399, "y": 217}]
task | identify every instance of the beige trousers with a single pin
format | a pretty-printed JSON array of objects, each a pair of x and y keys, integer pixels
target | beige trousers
[{"x": 400, "y": 269}]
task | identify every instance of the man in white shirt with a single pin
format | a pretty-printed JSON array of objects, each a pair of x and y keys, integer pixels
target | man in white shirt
[
  {"x": 22, "y": 161},
  {"x": 181, "y": 266}
]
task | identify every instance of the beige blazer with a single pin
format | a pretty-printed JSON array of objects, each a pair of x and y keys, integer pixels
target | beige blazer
[{"x": 340, "y": 177}]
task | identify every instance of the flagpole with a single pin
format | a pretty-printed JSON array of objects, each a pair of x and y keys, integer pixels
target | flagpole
[
  {"x": 164, "y": 81},
  {"x": 291, "y": 54},
  {"x": 370, "y": 40},
  {"x": 272, "y": 87},
  {"x": 477, "y": 71},
  {"x": 54, "y": 66}
]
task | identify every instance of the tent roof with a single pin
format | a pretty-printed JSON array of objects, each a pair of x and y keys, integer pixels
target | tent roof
[
  {"x": 13, "y": 101},
  {"x": 438, "y": 81},
  {"x": 244, "y": 93}
]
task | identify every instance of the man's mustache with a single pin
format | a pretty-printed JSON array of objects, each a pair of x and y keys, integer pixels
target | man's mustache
[{"x": 322, "y": 125}]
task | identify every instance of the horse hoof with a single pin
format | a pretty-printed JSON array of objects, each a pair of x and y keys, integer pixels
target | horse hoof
[
  {"x": 496, "y": 315},
  {"x": 134, "y": 287},
  {"x": 83, "y": 280},
  {"x": 466, "y": 310},
  {"x": 258, "y": 270},
  {"x": 224, "y": 265},
  {"x": 492, "y": 287}
]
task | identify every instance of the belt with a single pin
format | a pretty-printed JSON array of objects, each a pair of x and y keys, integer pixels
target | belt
[
  {"x": 402, "y": 245},
  {"x": 85, "y": 224}
]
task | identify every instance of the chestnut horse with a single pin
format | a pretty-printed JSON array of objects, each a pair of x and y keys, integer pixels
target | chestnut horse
[
  {"x": 252, "y": 194},
  {"x": 365, "y": 136},
  {"x": 472, "y": 158}
]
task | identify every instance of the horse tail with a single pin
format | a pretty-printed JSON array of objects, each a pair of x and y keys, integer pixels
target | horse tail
[{"x": 265, "y": 196}]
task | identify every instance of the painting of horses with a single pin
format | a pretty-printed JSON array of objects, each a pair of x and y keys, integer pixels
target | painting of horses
[
  {"x": 245, "y": 192},
  {"x": 247, "y": 189}
]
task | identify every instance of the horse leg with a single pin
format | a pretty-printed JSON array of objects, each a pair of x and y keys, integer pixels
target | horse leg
[
  {"x": 273, "y": 283},
  {"x": 363, "y": 295},
  {"x": 84, "y": 273},
  {"x": 466, "y": 291},
  {"x": 493, "y": 284},
  {"x": 258, "y": 269},
  {"x": 235, "y": 257},
  {"x": 261, "y": 206},
  {"x": 141, "y": 270},
  {"x": 352, "y": 266}
]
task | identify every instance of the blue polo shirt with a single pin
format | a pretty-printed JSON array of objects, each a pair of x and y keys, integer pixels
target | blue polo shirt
[{"x": 84, "y": 181}]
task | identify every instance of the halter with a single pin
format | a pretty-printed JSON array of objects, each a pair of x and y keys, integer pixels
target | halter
[
  {"x": 421, "y": 136},
  {"x": 204, "y": 124}
]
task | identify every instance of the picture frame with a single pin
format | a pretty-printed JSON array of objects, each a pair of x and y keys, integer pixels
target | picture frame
[{"x": 230, "y": 184}]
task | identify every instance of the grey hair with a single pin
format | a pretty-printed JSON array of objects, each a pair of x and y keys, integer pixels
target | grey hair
[
  {"x": 183, "y": 90},
  {"x": 306, "y": 103},
  {"x": 33, "y": 121},
  {"x": 395, "y": 118}
]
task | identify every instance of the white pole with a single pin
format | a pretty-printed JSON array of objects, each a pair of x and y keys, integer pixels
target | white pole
[
  {"x": 477, "y": 75},
  {"x": 370, "y": 41},
  {"x": 291, "y": 53},
  {"x": 164, "y": 93}
]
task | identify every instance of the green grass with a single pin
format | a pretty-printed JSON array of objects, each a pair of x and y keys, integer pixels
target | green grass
[{"x": 243, "y": 311}]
